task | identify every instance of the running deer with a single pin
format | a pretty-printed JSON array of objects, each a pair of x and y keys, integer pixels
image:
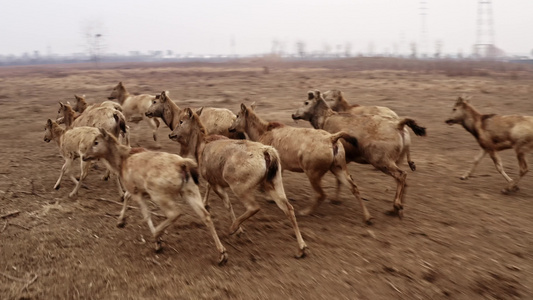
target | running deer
[
  {"x": 166, "y": 178},
  {"x": 240, "y": 165},
  {"x": 495, "y": 133},
  {"x": 341, "y": 105},
  {"x": 381, "y": 140},
  {"x": 134, "y": 106},
  {"x": 72, "y": 144},
  {"x": 313, "y": 152},
  {"x": 215, "y": 120}
]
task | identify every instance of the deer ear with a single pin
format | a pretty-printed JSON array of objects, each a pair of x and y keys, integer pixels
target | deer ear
[
  {"x": 163, "y": 96},
  {"x": 61, "y": 104},
  {"x": 48, "y": 122},
  {"x": 189, "y": 112},
  {"x": 120, "y": 83},
  {"x": 310, "y": 95},
  {"x": 199, "y": 111},
  {"x": 253, "y": 105},
  {"x": 103, "y": 132},
  {"x": 317, "y": 94},
  {"x": 243, "y": 108}
]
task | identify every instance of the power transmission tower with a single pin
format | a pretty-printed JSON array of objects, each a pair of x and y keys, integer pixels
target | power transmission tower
[
  {"x": 423, "y": 29},
  {"x": 484, "y": 47}
]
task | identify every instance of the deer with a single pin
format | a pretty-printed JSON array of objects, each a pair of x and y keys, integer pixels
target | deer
[
  {"x": 72, "y": 144},
  {"x": 215, "y": 120},
  {"x": 341, "y": 105},
  {"x": 495, "y": 133},
  {"x": 164, "y": 177},
  {"x": 134, "y": 106},
  {"x": 381, "y": 140},
  {"x": 239, "y": 165},
  {"x": 313, "y": 152}
]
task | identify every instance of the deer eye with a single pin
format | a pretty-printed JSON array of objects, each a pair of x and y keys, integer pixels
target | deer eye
[
  {"x": 454, "y": 109},
  {"x": 95, "y": 143},
  {"x": 306, "y": 102}
]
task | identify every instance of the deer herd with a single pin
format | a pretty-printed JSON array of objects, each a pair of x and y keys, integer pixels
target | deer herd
[{"x": 243, "y": 152}]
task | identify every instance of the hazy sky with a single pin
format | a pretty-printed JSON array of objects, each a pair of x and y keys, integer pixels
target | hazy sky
[{"x": 251, "y": 26}]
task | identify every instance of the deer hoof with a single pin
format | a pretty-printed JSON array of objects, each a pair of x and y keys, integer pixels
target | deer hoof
[
  {"x": 507, "y": 191},
  {"x": 57, "y": 187},
  {"x": 464, "y": 177},
  {"x": 336, "y": 202},
  {"x": 105, "y": 178},
  {"x": 72, "y": 195},
  {"x": 223, "y": 258},
  {"x": 237, "y": 231},
  {"x": 302, "y": 253},
  {"x": 121, "y": 223},
  {"x": 305, "y": 211},
  {"x": 369, "y": 221},
  {"x": 158, "y": 246},
  {"x": 412, "y": 165}
]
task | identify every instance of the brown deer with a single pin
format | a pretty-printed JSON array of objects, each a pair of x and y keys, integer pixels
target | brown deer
[
  {"x": 495, "y": 133},
  {"x": 313, "y": 152},
  {"x": 341, "y": 105},
  {"x": 215, "y": 120},
  {"x": 381, "y": 140},
  {"x": 162, "y": 176},
  {"x": 72, "y": 144},
  {"x": 240, "y": 165},
  {"x": 134, "y": 106}
]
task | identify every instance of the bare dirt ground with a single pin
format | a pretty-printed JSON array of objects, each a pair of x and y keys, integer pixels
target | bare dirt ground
[{"x": 458, "y": 239}]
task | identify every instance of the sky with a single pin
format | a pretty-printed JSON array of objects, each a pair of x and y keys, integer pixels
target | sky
[{"x": 204, "y": 27}]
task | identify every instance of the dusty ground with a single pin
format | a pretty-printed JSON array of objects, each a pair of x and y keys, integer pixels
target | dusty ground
[{"x": 458, "y": 240}]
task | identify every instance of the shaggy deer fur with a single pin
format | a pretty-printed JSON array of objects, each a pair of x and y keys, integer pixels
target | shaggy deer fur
[
  {"x": 215, "y": 120},
  {"x": 381, "y": 140},
  {"x": 314, "y": 152},
  {"x": 82, "y": 105},
  {"x": 240, "y": 165},
  {"x": 496, "y": 133},
  {"x": 341, "y": 105},
  {"x": 105, "y": 117},
  {"x": 161, "y": 176},
  {"x": 72, "y": 144},
  {"x": 134, "y": 107}
]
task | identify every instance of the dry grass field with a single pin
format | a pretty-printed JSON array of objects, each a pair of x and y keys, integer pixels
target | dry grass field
[{"x": 457, "y": 240}]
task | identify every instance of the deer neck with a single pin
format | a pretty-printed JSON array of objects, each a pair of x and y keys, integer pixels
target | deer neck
[
  {"x": 68, "y": 118},
  {"x": 198, "y": 144},
  {"x": 123, "y": 95},
  {"x": 117, "y": 156},
  {"x": 57, "y": 134},
  {"x": 171, "y": 114},
  {"x": 321, "y": 113},
  {"x": 255, "y": 127},
  {"x": 472, "y": 121}
]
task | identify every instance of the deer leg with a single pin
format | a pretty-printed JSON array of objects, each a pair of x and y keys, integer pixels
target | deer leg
[
  {"x": 499, "y": 166},
  {"x": 251, "y": 209},
  {"x": 277, "y": 193},
  {"x": 170, "y": 210},
  {"x": 400, "y": 178},
  {"x": 206, "y": 197},
  {"x": 477, "y": 159},
  {"x": 227, "y": 203},
  {"x": 346, "y": 179},
  {"x": 144, "y": 211},
  {"x": 337, "y": 199},
  {"x": 522, "y": 163},
  {"x": 64, "y": 169},
  {"x": 198, "y": 207},
  {"x": 154, "y": 124},
  {"x": 121, "y": 222},
  {"x": 315, "y": 178},
  {"x": 84, "y": 166}
]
